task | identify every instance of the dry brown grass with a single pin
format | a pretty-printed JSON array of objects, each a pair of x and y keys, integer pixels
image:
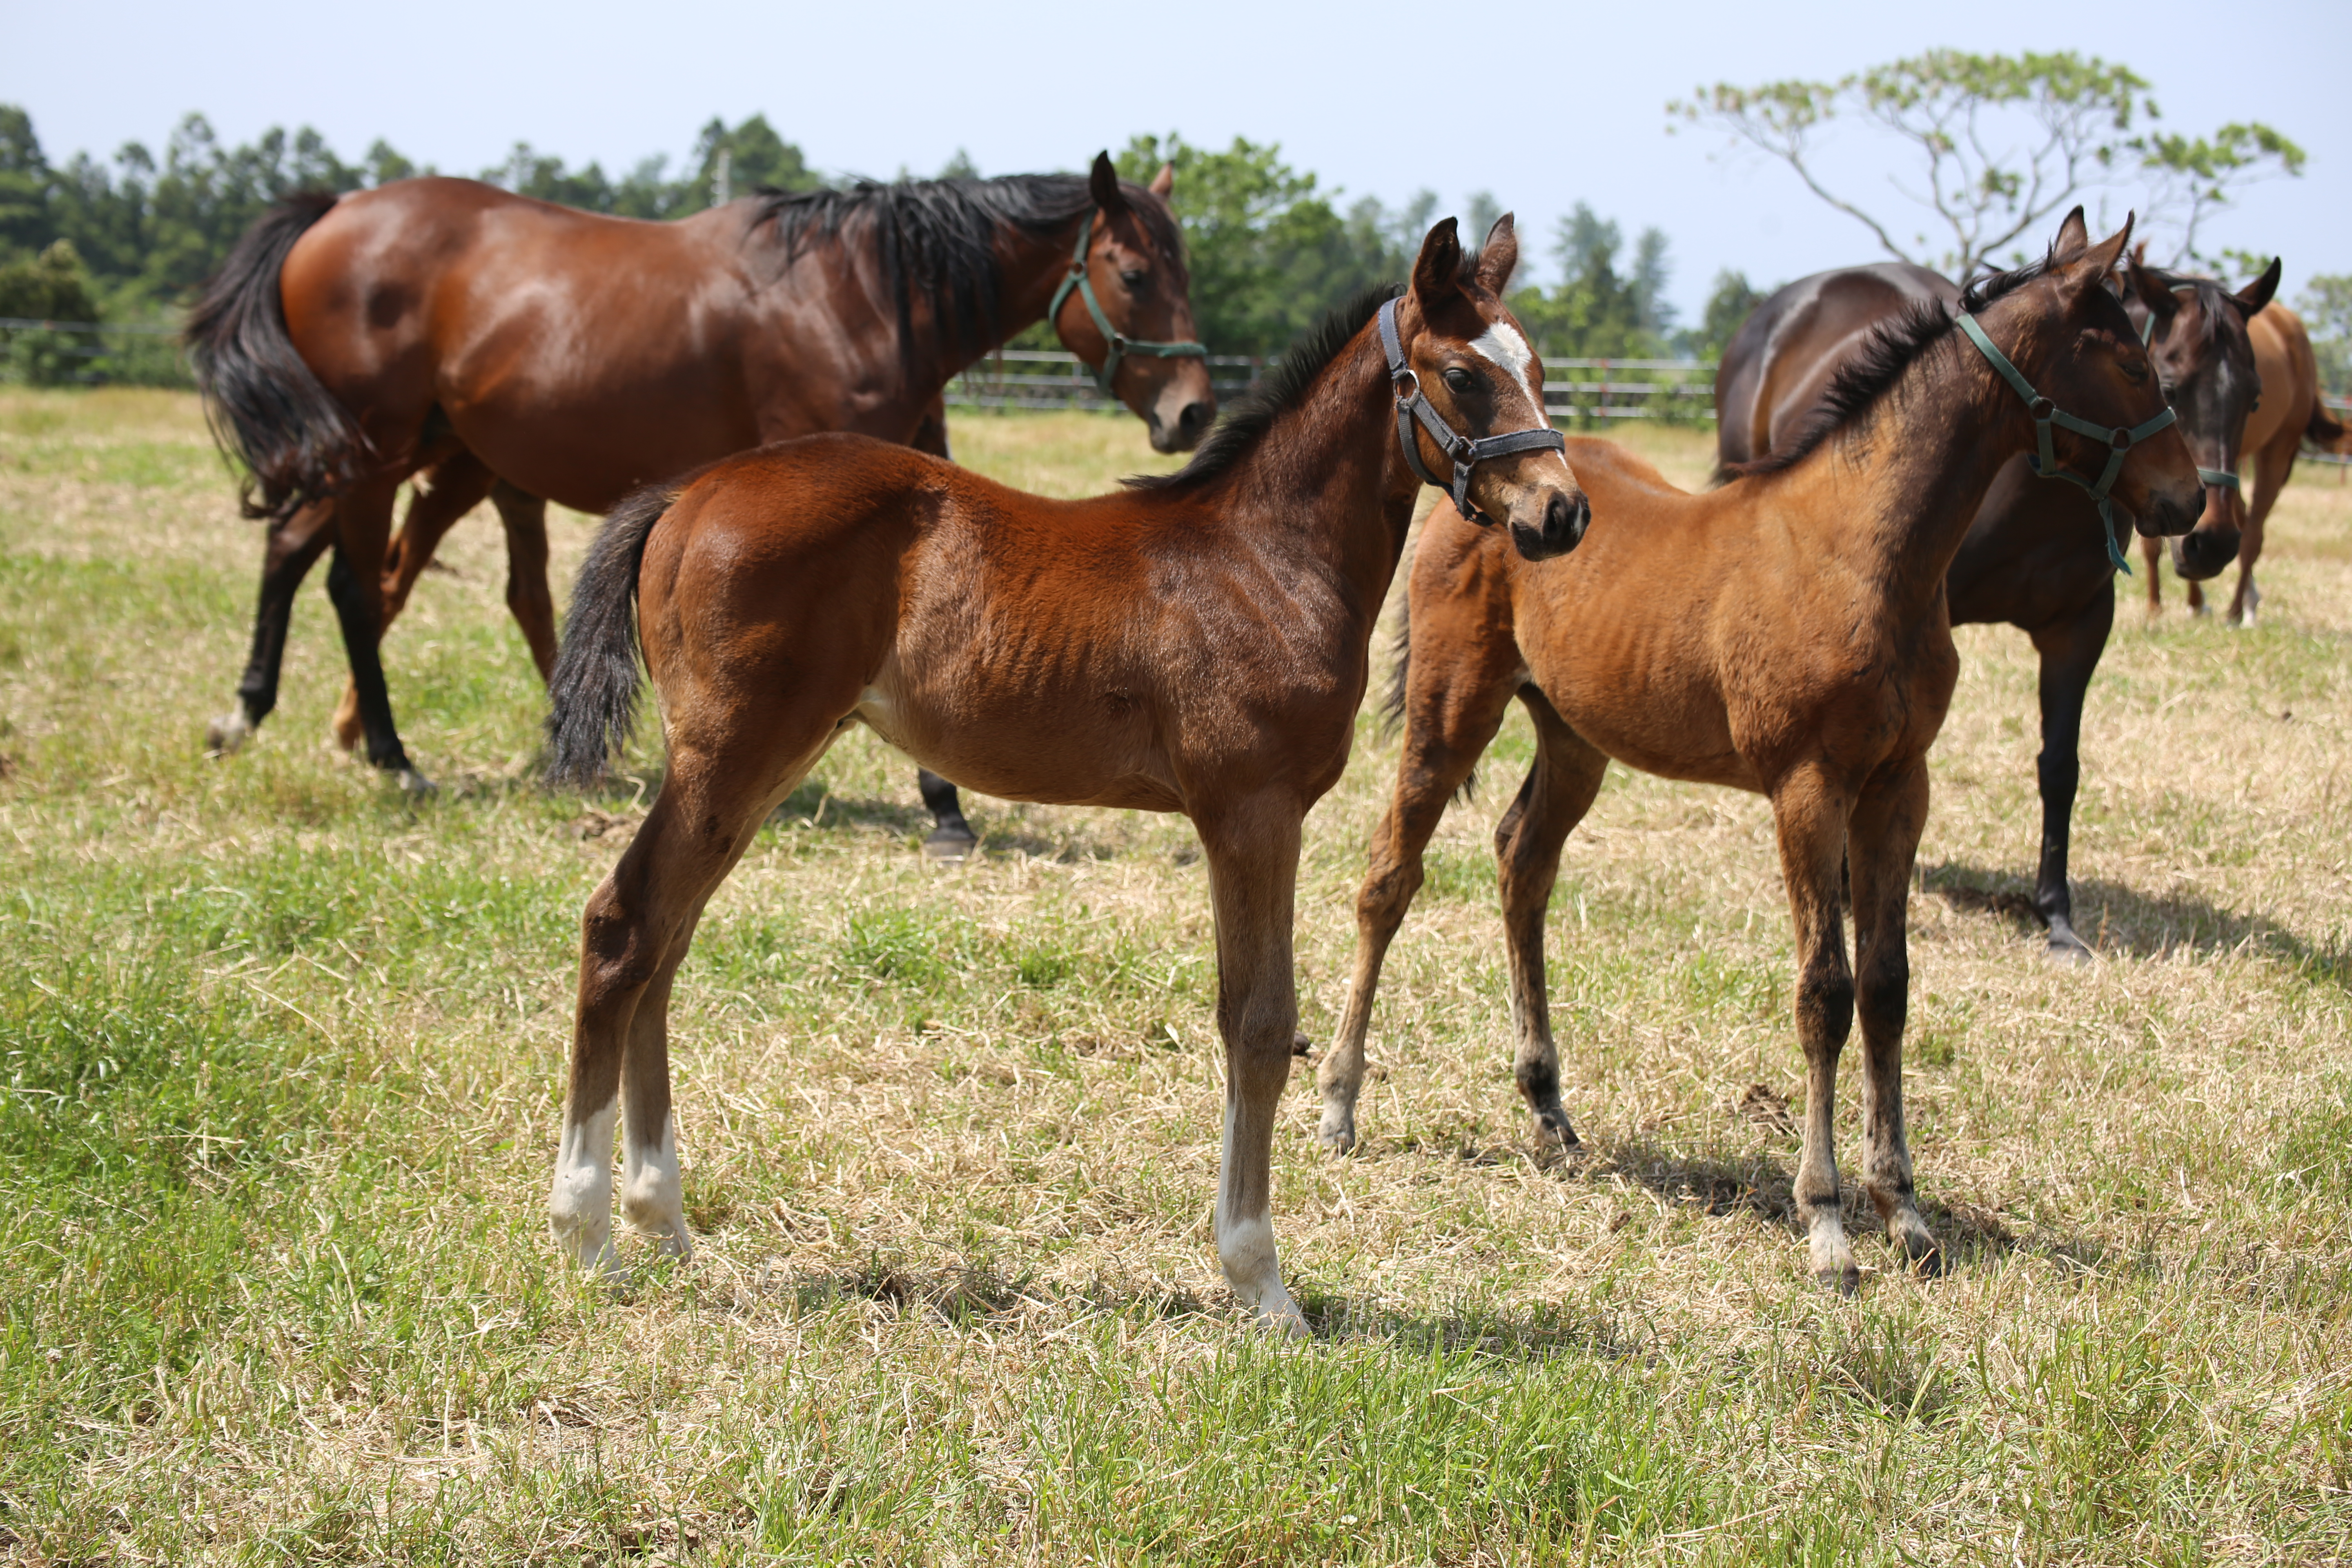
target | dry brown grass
[{"x": 950, "y": 1132}]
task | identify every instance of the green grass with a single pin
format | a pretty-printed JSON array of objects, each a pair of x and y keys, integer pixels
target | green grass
[{"x": 280, "y": 1054}]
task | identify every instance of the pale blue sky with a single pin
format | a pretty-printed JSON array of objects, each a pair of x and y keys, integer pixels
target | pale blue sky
[{"x": 1544, "y": 105}]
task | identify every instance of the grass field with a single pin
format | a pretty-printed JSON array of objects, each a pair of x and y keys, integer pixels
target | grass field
[{"x": 283, "y": 1052}]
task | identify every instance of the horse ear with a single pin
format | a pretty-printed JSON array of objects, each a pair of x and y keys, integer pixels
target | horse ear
[
  {"x": 2073, "y": 234},
  {"x": 2082, "y": 268},
  {"x": 1499, "y": 255},
  {"x": 1164, "y": 182},
  {"x": 1439, "y": 271},
  {"x": 2257, "y": 294},
  {"x": 1102, "y": 182},
  {"x": 2152, "y": 290}
]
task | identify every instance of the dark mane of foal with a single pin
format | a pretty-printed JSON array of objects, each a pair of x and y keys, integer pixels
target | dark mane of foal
[
  {"x": 938, "y": 238},
  {"x": 1891, "y": 348},
  {"x": 2212, "y": 299},
  {"x": 1282, "y": 388}
]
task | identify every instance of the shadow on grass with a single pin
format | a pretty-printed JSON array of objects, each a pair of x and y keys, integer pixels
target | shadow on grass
[{"x": 2123, "y": 921}]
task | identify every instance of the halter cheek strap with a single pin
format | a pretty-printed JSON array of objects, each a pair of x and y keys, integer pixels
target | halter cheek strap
[
  {"x": 2120, "y": 439},
  {"x": 1466, "y": 453},
  {"x": 1120, "y": 345}
]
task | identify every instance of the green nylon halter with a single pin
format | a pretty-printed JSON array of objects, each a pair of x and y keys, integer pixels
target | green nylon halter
[
  {"x": 2222, "y": 478},
  {"x": 1120, "y": 344},
  {"x": 2120, "y": 440}
]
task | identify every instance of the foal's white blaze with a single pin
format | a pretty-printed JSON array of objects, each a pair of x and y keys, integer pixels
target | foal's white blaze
[
  {"x": 1501, "y": 344},
  {"x": 1246, "y": 1248},
  {"x": 580, "y": 1206},
  {"x": 652, "y": 1195}
]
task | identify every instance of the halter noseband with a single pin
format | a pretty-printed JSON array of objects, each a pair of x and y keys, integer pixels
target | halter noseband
[
  {"x": 1120, "y": 344},
  {"x": 2044, "y": 460},
  {"x": 1466, "y": 453}
]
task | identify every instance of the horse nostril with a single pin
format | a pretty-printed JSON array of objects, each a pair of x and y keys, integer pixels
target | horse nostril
[
  {"x": 1564, "y": 519},
  {"x": 1194, "y": 421}
]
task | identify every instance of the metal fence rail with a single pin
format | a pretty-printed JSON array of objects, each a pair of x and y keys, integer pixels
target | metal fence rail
[{"x": 1055, "y": 378}]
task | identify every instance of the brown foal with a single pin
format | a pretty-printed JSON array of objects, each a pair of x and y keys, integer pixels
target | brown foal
[
  {"x": 1785, "y": 634},
  {"x": 1197, "y": 643}
]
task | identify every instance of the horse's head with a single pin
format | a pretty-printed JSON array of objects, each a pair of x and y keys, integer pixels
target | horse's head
[
  {"x": 2205, "y": 361},
  {"x": 1126, "y": 309},
  {"x": 2089, "y": 387},
  {"x": 1462, "y": 351}
]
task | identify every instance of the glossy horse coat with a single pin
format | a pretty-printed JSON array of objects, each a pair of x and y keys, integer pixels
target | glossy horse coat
[
  {"x": 500, "y": 345},
  {"x": 1784, "y": 634},
  {"x": 1197, "y": 643},
  {"x": 2034, "y": 556}
]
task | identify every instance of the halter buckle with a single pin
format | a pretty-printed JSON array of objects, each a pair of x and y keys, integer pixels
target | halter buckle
[
  {"x": 2041, "y": 408},
  {"x": 2121, "y": 438}
]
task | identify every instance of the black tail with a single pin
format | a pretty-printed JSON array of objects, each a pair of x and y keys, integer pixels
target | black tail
[
  {"x": 594, "y": 689},
  {"x": 296, "y": 441}
]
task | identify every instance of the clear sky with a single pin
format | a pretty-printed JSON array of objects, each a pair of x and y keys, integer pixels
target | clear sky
[{"x": 1543, "y": 104}]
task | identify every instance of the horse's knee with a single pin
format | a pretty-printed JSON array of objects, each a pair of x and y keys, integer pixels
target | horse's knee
[
  {"x": 1883, "y": 996},
  {"x": 1825, "y": 1006}
]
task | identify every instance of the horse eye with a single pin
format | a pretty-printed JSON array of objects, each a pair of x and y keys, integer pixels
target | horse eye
[
  {"x": 1133, "y": 279},
  {"x": 1460, "y": 379}
]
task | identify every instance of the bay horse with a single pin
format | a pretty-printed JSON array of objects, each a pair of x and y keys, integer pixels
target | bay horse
[
  {"x": 1786, "y": 634},
  {"x": 499, "y": 345},
  {"x": 2038, "y": 555},
  {"x": 1195, "y": 643},
  {"x": 2286, "y": 376}
]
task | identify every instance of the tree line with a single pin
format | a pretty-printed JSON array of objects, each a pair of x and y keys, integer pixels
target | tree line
[{"x": 129, "y": 238}]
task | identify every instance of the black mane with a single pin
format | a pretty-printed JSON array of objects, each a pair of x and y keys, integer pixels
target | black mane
[
  {"x": 2211, "y": 298},
  {"x": 1891, "y": 348},
  {"x": 938, "y": 238},
  {"x": 1284, "y": 384}
]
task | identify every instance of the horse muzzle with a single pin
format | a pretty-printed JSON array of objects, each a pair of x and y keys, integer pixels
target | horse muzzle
[
  {"x": 1184, "y": 433},
  {"x": 1565, "y": 515}
]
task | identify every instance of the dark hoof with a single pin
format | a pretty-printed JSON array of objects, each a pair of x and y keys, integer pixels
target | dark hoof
[
  {"x": 950, "y": 844},
  {"x": 1840, "y": 1281},
  {"x": 1300, "y": 1045},
  {"x": 1553, "y": 1131}
]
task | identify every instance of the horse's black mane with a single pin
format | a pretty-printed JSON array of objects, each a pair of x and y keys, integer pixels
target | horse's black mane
[
  {"x": 1891, "y": 348},
  {"x": 1281, "y": 389},
  {"x": 2212, "y": 299},
  {"x": 938, "y": 238}
]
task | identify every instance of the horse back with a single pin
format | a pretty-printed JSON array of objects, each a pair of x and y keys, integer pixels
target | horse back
[{"x": 1781, "y": 359}]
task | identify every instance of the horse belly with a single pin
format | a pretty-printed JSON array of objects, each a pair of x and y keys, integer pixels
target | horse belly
[{"x": 1045, "y": 746}]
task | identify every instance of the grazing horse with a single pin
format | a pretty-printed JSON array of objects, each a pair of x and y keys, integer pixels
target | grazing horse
[
  {"x": 2038, "y": 555},
  {"x": 2289, "y": 413},
  {"x": 532, "y": 353},
  {"x": 1785, "y": 634},
  {"x": 1196, "y": 643}
]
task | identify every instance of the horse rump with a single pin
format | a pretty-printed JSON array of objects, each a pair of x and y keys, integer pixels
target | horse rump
[
  {"x": 296, "y": 441},
  {"x": 594, "y": 692}
]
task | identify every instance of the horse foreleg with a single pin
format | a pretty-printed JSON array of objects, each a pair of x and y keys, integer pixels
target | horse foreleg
[
  {"x": 1558, "y": 791},
  {"x": 634, "y": 934},
  {"x": 524, "y": 518},
  {"x": 2151, "y": 556},
  {"x": 1455, "y": 696},
  {"x": 437, "y": 501},
  {"x": 356, "y": 583},
  {"x": 2273, "y": 463},
  {"x": 951, "y": 837},
  {"x": 2069, "y": 653},
  {"x": 1810, "y": 813},
  {"x": 294, "y": 545},
  {"x": 1253, "y": 853},
  {"x": 1883, "y": 842}
]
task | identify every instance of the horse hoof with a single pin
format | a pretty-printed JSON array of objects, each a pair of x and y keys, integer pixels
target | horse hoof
[
  {"x": 1554, "y": 1131},
  {"x": 225, "y": 734},
  {"x": 1337, "y": 1133},
  {"x": 2070, "y": 950},
  {"x": 414, "y": 784},
  {"x": 1839, "y": 1279},
  {"x": 950, "y": 844}
]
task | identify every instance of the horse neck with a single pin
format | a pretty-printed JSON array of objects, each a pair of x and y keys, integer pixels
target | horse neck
[
  {"x": 1327, "y": 485},
  {"x": 1935, "y": 442}
]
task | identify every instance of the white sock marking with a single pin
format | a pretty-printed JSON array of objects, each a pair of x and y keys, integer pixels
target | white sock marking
[
  {"x": 652, "y": 1193},
  {"x": 580, "y": 1204}
]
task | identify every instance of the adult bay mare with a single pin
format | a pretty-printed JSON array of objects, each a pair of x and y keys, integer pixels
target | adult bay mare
[
  {"x": 1197, "y": 643},
  {"x": 493, "y": 345}
]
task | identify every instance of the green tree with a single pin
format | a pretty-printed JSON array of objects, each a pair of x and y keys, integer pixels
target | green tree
[
  {"x": 1594, "y": 312},
  {"x": 50, "y": 287},
  {"x": 750, "y": 157},
  {"x": 1728, "y": 303},
  {"x": 25, "y": 182},
  {"x": 2000, "y": 146},
  {"x": 2326, "y": 305}
]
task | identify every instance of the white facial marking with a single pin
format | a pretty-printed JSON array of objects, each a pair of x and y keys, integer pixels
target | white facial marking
[
  {"x": 1501, "y": 344},
  {"x": 580, "y": 1206}
]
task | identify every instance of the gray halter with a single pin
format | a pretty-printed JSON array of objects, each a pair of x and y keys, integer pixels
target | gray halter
[{"x": 1466, "y": 453}]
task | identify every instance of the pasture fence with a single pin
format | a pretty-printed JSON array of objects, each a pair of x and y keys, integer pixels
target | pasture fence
[{"x": 1576, "y": 391}]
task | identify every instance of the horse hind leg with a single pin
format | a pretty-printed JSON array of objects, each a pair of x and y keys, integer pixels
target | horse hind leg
[
  {"x": 437, "y": 501},
  {"x": 1810, "y": 814},
  {"x": 524, "y": 518},
  {"x": 635, "y": 932},
  {"x": 1558, "y": 791},
  {"x": 294, "y": 546},
  {"x": 2271, "y": 468}
]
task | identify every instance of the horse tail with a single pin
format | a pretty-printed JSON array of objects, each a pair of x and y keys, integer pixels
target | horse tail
[
  {"x": 263, "y": 404},
  {"x": 2322, "y": 429},
  {"x": 594, "y": 687}
]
